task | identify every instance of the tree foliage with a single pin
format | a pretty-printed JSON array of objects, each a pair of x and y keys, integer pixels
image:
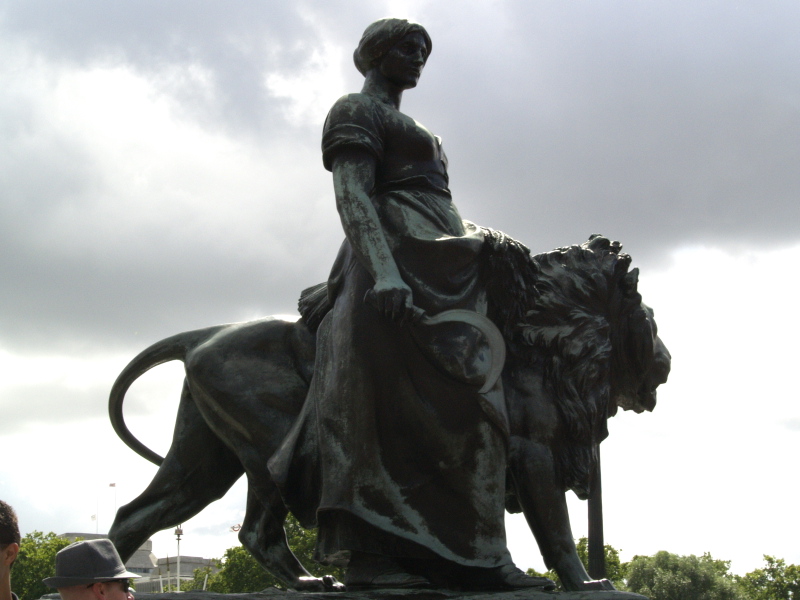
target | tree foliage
[
  {"x": 776, "y": 581},
  {"x": 239, "y": 572},
  {"x": 36, "y": 561},
  {"x": 663, "y": 576},
  {"x": 666, "y": 576},
  {"x": 550, "y": 574}
]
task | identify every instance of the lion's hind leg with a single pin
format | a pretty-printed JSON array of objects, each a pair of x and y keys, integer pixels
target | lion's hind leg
[
  {"x": 264, "y": 537},
  {"x": 197, "y": 470}
]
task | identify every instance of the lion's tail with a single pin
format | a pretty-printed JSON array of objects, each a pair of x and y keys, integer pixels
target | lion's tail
[{"x": 171, "y": 348}]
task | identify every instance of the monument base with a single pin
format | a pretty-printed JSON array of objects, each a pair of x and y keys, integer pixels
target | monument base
[{"x": 397, "y": 594}]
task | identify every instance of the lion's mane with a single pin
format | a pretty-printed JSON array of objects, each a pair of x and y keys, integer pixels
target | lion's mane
[{"x": 576, "y": 332}]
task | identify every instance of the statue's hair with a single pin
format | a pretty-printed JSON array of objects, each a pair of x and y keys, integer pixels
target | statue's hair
[
  {"x": 585, "y": 296},
  {"x": 379, "y": 38}
]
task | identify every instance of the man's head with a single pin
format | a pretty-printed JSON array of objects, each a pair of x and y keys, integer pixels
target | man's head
[
  {"x": 91, "y": 569},
  {"x": 9, "y": 537}
]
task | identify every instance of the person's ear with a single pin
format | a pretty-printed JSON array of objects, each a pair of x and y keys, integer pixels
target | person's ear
[
  {"x": 99, "y": 590},
  {"x": 9, "y": 554}
]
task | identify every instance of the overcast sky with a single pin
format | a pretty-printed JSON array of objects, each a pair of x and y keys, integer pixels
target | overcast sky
[{"x": 160, "y": 171}]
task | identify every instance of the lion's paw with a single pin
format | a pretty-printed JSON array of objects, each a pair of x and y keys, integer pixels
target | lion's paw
[
  {"x": 326, "y": 583},
  {"x": 332, "y": 585},
  {"x": 513, "y": 578},
  {"x": 598, "y": 584}
]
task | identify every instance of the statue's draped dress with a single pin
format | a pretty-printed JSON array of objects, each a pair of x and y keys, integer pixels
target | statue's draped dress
[{"x": 390, "y": 455}]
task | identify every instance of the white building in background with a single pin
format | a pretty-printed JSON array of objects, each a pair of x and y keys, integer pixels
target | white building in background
[
  {"x": 166, "y": 572},
  {"x": 157, "y": 574}
]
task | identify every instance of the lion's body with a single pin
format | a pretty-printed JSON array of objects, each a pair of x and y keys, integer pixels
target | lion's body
[{"x": 246, "y": 383}]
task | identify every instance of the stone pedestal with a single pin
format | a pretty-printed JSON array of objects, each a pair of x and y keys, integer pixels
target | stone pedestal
[{"x": 398, "y": 594}]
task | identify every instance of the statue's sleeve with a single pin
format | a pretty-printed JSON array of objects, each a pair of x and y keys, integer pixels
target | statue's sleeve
[{"x": 353, "y": 122}]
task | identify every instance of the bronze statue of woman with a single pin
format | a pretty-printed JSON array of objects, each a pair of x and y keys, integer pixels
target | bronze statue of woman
[{"x": 400, "y": 465}]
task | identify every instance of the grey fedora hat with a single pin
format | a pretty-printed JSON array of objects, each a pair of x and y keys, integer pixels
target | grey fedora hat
[{"x": 87, "y": 562}]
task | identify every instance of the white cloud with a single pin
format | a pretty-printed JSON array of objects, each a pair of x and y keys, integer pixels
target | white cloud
[{"x": 309, "y": 89}]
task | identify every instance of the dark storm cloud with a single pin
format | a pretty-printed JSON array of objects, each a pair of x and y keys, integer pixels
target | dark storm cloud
[
  {"x": 73, "y": 304},
  {"x": 658, "y": 124},
  {"x": 77, "y": 274},
  {"x": 233, "y": 46},
  {"x": 82, "y": 278},
  {"x": 24, "y": 406}
]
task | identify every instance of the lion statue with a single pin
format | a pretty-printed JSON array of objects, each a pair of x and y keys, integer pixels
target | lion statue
[{"x": 580, "y": 344}]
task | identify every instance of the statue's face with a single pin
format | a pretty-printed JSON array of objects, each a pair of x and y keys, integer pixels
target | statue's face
[{"x": 403, "y": 64}]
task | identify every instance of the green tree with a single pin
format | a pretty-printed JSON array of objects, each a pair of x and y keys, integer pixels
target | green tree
[
  {"x": 666, "y": 576},
  {"x": 199, "y": 580},
  {"x": 550, "y": 574},
  {"x": 615, "y": 570},
  {"x": 36, "y": 561},
  {"x": 239, "y": 572},
  {"x": 776, "y": 581}
]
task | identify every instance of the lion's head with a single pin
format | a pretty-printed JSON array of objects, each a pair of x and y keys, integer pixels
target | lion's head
[{"x": 597, "y": 346}]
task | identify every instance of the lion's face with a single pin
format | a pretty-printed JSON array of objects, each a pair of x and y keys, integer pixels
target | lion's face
[{"x": 641, "y": 363}]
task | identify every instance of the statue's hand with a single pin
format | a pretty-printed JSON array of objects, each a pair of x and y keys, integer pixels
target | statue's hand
[{"x": 392, "y": 298}]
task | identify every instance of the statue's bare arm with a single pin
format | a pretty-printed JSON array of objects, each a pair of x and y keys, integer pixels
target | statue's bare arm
[{"x": 353, "y": 179}]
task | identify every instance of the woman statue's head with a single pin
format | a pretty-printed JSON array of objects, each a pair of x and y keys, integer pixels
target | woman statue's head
[{"x": 382, "y": 36}]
